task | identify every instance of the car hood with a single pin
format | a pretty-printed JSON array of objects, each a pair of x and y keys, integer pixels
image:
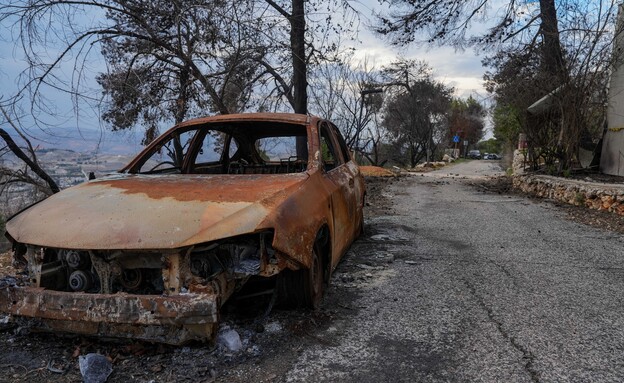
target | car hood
[{"x": 152, "y": 212}]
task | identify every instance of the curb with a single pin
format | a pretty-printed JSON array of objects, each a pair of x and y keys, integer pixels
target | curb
[{"x": 594, "y": 195}]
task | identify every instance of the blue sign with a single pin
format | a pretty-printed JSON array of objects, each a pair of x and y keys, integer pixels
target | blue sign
[{"x": 456, "y": 139}]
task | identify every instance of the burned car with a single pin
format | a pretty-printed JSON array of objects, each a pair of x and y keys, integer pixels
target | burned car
[{"x": 153, "y": 252}]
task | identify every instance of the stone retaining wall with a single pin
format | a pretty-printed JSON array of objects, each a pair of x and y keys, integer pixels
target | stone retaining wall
[{"x": 593, "y": 195}]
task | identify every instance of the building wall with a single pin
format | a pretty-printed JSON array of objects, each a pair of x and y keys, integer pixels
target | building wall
[{"x": 612, "y": 158}]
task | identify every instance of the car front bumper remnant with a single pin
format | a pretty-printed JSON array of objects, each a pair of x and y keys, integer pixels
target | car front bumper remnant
[{"x": 171, "y": 319}]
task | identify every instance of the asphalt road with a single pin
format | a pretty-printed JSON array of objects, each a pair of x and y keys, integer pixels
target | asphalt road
[{"x": 456, "y": 285}]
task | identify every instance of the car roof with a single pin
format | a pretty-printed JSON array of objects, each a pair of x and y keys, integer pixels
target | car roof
[{"x": 292, "y": 118}]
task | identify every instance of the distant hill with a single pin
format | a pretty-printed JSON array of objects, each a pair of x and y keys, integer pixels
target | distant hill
[{"x": 91, "y": 141}]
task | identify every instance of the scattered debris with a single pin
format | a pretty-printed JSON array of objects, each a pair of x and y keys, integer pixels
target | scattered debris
[
  {"x": 273, "y": 327},
  {"x": 52, "y": 367},
  {"x": 95, "y": 368},
  {"x": 381, "y": 237},
  {"x": 347, "y": 278},
  {"x": 386, "y": 257},
  {"x": 368, "y": 267},
  {"x": 8, "y": 281},
  {"x": 427, "y": 166},
  {"x": 229, "y": 339},
  {"x": 448, "y": 159}
]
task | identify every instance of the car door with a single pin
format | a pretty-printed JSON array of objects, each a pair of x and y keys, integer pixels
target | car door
[
  {"x": 341, "y": 184},
  {"x": 356, "y": 182}
]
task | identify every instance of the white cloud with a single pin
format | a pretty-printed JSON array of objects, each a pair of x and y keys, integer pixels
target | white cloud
[
  {"x": 462, "y": 70},
  {"x": 464, "y": 86}
]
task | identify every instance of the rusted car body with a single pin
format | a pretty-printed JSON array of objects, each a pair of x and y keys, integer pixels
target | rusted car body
[{"x": 154, "y": 251}]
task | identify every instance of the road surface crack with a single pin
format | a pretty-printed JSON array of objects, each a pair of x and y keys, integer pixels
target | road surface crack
[
  {"x": 506, "y": 272},
  {"x": 527, "y": 356}
]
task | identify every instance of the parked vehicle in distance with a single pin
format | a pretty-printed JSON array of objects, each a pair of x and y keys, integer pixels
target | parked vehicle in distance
[
  {"x": 492, "y": 156},
  {"x": 154, "y": 251},
  {"x": 474, "y": 154}
]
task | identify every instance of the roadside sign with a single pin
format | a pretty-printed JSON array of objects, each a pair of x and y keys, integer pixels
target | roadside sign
[
  {"x": 456, "y": 139},
  {"x": 465, "y": 143}
]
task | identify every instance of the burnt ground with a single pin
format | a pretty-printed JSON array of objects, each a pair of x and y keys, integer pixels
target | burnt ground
[{"x": 271, "y": 345}]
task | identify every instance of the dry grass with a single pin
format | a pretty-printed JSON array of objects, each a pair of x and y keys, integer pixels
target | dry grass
[{"x": 375, "y": 171}]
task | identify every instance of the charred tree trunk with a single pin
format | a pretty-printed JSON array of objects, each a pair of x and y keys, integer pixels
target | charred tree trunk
[
  {"x": 552, "y": 54},
  {"x": 553, "y": 65},
  {"x": 297, "y": 44},
  {"x": 300, "y": 77},
  {"x": 299, "y": 82}
]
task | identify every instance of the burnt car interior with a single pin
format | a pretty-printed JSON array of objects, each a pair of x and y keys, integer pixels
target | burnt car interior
[{"x": 229, "y": 148}]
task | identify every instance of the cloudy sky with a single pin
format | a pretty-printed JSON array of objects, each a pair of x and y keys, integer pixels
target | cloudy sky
[{"x": 462, "y": 70}]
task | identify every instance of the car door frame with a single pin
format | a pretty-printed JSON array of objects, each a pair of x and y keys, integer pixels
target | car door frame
[{"x": 340, "y": 183}]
